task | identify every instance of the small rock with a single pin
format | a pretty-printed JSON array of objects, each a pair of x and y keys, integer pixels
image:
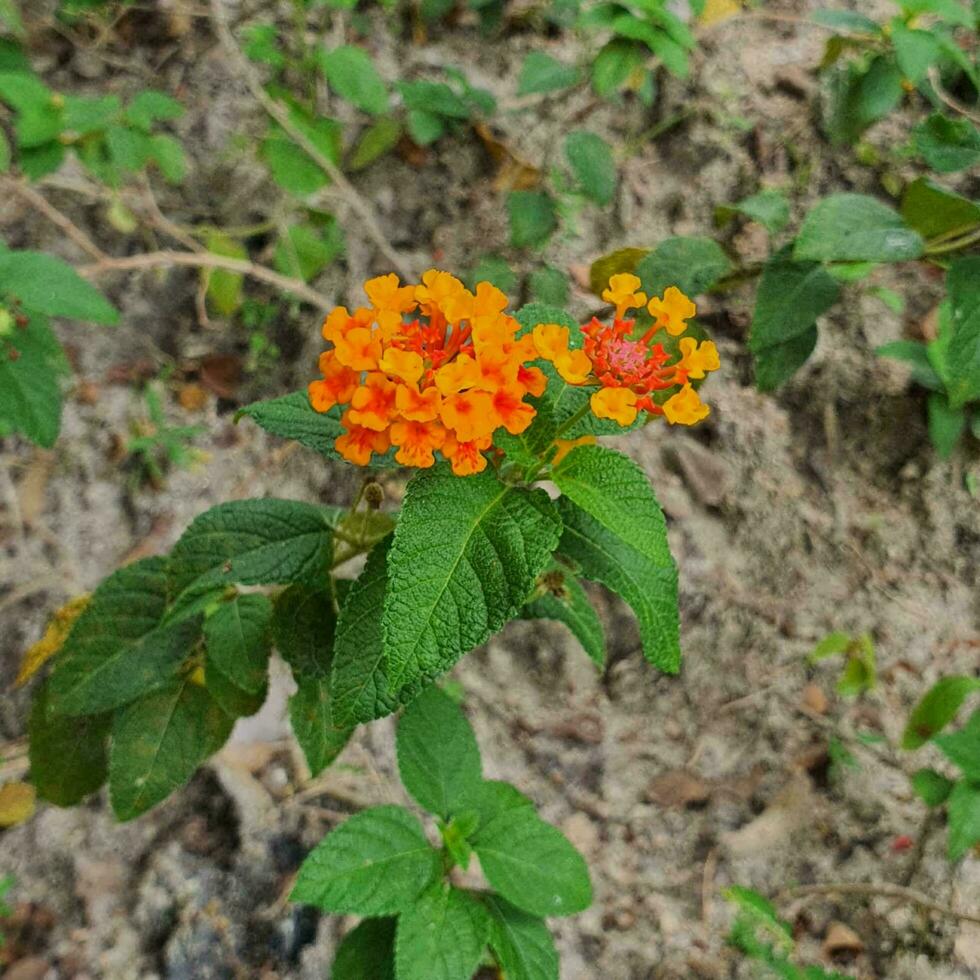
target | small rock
[
  {"x": 841, "y": 938},
  {"x": 815, "y": 700},
  {"x": 582, "y": 832},
  {"x": 29, "y": 968},
  {"x": 88, "y": 65},
  {"x": 678, "y": 789}
]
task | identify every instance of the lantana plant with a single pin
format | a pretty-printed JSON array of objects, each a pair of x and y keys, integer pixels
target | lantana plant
[{"x": 150, "y": 673}]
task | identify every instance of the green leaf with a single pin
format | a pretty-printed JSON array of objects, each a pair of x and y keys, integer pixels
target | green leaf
[
  {"x": 790, "y": 298},
  {"x": 68, "y": 756},
  {"x": 290, "y": 166},
  {"x": 953, "y": 11},
  {"x": 845, "y": 20},
  {"x": 916, "y": 355},
  {"x": 40, "y": 161},
  {"x": 129, "y": 149},
  {"x": 946, "y": 424},
  {"x": 150, "y": 106},
  {"x": 311, "y": 715},
  {"x": 592, "y": 162},
  {"x": 854, "y": 228},
  {"x": 158, "y": 742},
  {"x": 376, "y": 863},
  {"x": 304, "y": 251},
  {"x": 915, "y": 50},
  {"x": 549, "y": 285},
  {"x": 352, "y": 75},
  {"x": 937, "y": 709},
  {"x": 434, "y": 98},
  {"x": 466, "y": 555},
  {"x": 521, "y": 943},
  {"x": 615, "y": 530},
  {"x": 232, "y": 700},
  {"x": 542, "y": 73},
  {"x": 932, "y": 210},
  {"x": 947, "y": 145},
  {"x": 168, "y": 155},
  {"x": 860, "y": 673},
  {"x": 252, "y": 542},
  {"x": 615, "y": 64},
  {"x": 293, "y": 417},
  {"x": 117, "y": 650},
  {"x": 84, "y": 116},
  {"x": 963, "y": 747},
  {"x": 47, "y": 285},
  {"x": 424, "y": 127},
  {"x": 379, "y": 138},
  {"x": 931, "y": 787},
  {"x": 532, "y": 216},
  {"x": 830, "y": 646},
  {"x": 964, "y": 819},
  {"x": 367, "y": 952},
  {"x": 303, "y": 626},
  {"x": 567, "y": 602},
  {"x": 31, "y": 363},
  {"x": 225, "y": 288},
  {"x": 768, "y": 207},
  {"x": 438, "y": 758},
  {"x": 5, "y": 155},
  {"x": 963, "y": 352},
  {"x": 24, "y": 91},
  {"x": 237, "y": 637},
  {"x": 693, "y": 265},
  {"x": 360, "y": 685},
  {"x": 441, "y": 937},
  {"x": 879, "y": 91},
  {"x": 532, "y": 864}
]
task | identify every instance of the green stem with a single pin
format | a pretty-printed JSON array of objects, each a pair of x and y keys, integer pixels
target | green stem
[
  {"x": 569, "y": 423},
  {"x": 942, "y": 248}
]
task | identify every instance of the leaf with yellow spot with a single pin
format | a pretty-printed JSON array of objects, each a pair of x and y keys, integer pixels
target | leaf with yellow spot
[
  {"x": 717, "y": 10},
  {"x": 16, "y": 803},
  {"x": 53, "y": 640}
]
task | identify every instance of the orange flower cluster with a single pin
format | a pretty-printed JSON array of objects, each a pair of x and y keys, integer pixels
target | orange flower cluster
[
  {"x": 426, "y": 368},
  {"x": 630, "y": 371}
]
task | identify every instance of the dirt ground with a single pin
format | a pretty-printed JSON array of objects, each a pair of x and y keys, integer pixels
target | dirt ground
[{"x": 820, "y": 508}]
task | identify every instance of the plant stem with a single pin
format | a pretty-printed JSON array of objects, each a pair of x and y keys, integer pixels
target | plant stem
[
  {"x": 881, "y": 891},
  {"x": 942, "y": 248}
]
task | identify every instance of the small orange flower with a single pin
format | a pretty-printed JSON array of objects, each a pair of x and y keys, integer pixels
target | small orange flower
[
  {"x": 696, "y": 361},
  {"x": 457, "y": 375},
  {"x": 418, "y": 406},
  {"x": 685, "y": 408},
  {"x": 405, "y": 365},
  {"x": 416, "y": 442},
  {"x": 373, "y": 402},
  {"x": 533, "y": 379},
  {"x": 390, "y": 300},
  {"x": 574, "y": 366},
  {"x": 357, "y": 444},
  {"x": 337, "y": 386},
  {"x": 618, "y": 404},
  {"x": 512, "y": 412},
  {"x": 671, "y": 311},
  {"x": 359, "y": 349},
  {"x": 469, "y": 414},
  {"x": 624, "y": 293},
  {"x": 466, "y": 457}
]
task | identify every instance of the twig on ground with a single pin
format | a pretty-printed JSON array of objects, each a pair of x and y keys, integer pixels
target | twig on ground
[
  {"x": 879, "y": 891},
  {"x": 27, "y": 193},
  {"x": 278, "y": 112},
  {"x": 207, "y": 260},
  {"x": 947, "y": 99}
]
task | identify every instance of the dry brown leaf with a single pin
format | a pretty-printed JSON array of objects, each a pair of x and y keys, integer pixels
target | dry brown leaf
[
  {"x": 841, "y": 938},
  {"x": 54, "y": 637},
  {"x": 31, "y": 489},
  {"x": 16, "y": 803},
  {"x": 513, "y": 173},
  {"x": 815, "y": 700},
  {"x": 221, "y": 373},
  {"x": 192, "y": 397},
  {"x": 678, "y": 789}
]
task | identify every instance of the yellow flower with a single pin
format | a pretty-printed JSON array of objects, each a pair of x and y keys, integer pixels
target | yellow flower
[
  {"x": 697, "y": 361},
  {"x": 685, "y": 408},
  {"x": 671, "y": 311},
  {"x": 551, "y": 340},
  {"x": 405, "y": 365},
  {"x": 624, "y": 293},
  {"x": 618, "y": 404}
]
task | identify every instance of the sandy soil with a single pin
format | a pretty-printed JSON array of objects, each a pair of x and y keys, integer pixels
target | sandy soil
[{"x": 820, "y": 508}]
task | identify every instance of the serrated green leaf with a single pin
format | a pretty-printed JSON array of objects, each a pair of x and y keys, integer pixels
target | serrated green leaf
[
  {"x": 937, "y": 709},
  {"x": 549, "y": 285},
  {"x": 532, "y": 864},
  {"x": 47, "y": 285},
  {"x": 438, "y": 758},
  {"x": 964, "y": 819},
  {"x": 947, "y": 145},
  {"x": 311, "y": 715},
  {"x": 541, "y": 73},
  {"x": 232, "y": 700},
  {"x": 238, "y": 640},
  {"x": 360, "y": 685},
  {"x": 150, "y": 106},
  {"x": 693, "y": 265},
  {"x": 118, "y": 650},
  {"x": 962, "y": 747},
  {"x": 568, "y": 603},
  {"x": 31, "y": 364},
  {"x": 158, "y": 742},
  {"x": 533, "y": 218},
  {"x": 303, "y": 627},
  {"x": 352, "y": 75},
  {"x": 963, "y": 352},
  {"x": 293, "y": 417},
  {"x": 68, "y": 756},
  {"x": 522, "y": 944},
  {"x": 591, "y": 159},
  {"x": 768, "y": 207},
  {"x": 932, "y": 210},
  {"x": 376, "y": 863},
  {"x": 366, "y": 952},
  {"x": 931, "y": 787},
  {"x": 465, "y": 556},
  {"x": 855, "y": 228},
  {"x": 442, "y": 936},
  {"x": 252, "y": 542},
  {"x": 616, "y": 532}
]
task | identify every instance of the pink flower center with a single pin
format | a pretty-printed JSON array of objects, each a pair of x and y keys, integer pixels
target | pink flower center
[{"x": 626, "y": 356}]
